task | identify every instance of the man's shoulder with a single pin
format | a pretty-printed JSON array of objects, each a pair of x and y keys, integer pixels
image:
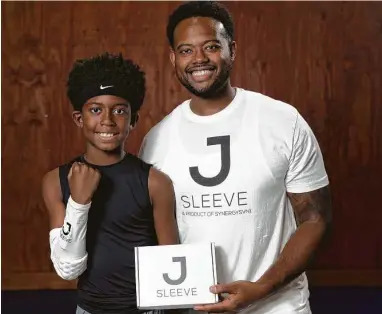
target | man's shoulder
[
  {"x": 164, "y": 125},
  {"x": 161, "y": 126},
  {"x": 270, "y": 106},
  {"x": 155, "y": 144},
  {"x": 276, "y": 119}
]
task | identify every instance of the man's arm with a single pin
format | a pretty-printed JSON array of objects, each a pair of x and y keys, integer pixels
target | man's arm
[
  {"x": 163, "y": 201},
  {"x": 313, "y": 214},
  {"x": 306, "y": 172},
  {"x": 308, "y": 191}
]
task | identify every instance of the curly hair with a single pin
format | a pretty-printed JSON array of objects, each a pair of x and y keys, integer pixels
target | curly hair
[
  {"x": 88, "y": 75},
  {"x": 212, "y": 9}
]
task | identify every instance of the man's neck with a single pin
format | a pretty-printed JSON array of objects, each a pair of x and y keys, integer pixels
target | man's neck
[
  {"x": 101, "y": 158},
  {"x": 210, "y": 106}
]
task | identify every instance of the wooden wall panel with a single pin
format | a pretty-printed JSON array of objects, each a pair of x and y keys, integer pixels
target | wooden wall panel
[{"x": 325, "y": 58}]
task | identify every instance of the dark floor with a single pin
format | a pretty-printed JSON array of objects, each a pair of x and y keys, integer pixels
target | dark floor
[{"x": 323, "y": 301}]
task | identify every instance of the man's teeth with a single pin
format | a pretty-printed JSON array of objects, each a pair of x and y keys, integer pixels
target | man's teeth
[
  {"x": 201, "y": 73},
  {"x": 106, "y": 134}
]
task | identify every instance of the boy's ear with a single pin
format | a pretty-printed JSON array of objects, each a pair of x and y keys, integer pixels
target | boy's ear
[
  {"x": 77, "y": 118},
  {"x": 172, "y": 56},
  {"x": 134, "y": 120}
]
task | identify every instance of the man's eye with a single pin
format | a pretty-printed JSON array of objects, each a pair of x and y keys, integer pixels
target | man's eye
[
  {"x": 212, "y": 47},
  {"x": 186, "y": 51}
]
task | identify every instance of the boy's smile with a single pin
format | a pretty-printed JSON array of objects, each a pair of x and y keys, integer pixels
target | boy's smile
[{"x": 105, "y": 121}]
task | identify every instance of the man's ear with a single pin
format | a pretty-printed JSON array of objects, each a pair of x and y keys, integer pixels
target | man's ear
[
  {"x": 77, "y": 118},
  {"x": 233, "y": 50},
  {"x": 134, "y": 120},
  {"x": 172, "y": 57}
]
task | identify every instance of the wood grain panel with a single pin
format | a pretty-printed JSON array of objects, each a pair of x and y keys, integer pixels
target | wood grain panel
[{"x": 325, "y": 58}]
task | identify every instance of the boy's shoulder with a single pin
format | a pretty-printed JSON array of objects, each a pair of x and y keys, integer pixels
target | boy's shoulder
[
  {"x": 54, "y": 174},
  {"x": 51, "y": 176}
]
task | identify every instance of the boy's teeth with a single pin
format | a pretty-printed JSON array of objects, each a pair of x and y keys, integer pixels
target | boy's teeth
[{"x": 106, "y": 134}]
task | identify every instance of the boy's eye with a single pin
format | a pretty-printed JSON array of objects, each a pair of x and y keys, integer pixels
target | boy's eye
[
  {"x": 95, "y": 110},
  {"x": 120, "y": 111}
]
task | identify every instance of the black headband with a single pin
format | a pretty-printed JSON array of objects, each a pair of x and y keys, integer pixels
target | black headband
[{"x": 91, "y": 91}]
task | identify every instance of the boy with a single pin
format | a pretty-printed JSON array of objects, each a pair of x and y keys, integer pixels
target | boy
[{"x": 105, "y": 202}]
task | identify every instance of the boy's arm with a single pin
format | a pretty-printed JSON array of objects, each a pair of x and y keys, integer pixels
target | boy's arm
[
  {"x": 163, "y": 200},
  {"x": 51, "y": 192},
  {"x": 67, "y": 234}
]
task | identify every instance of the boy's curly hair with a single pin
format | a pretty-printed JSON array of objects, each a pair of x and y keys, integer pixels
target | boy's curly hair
[{"x": 106, "y": 69}]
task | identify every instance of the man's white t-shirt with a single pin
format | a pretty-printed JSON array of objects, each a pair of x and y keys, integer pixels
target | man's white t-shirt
[{"x": 231, "y": 172}]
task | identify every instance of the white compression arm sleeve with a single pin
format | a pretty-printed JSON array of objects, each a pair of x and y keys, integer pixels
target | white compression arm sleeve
[{"x": 68, "y": 244}]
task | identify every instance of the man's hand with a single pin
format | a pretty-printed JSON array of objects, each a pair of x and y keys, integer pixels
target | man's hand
[
  {"x": 83, "y": 182},
  {"x": 238, "y": 295}
]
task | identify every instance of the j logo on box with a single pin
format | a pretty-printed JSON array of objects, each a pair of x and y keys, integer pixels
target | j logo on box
[
  {"x": 183, "y": 272},
  {"x": 178, "y": 292}
]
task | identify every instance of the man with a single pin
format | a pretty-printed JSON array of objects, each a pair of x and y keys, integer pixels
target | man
[
  {"x": 247, "y": 171},
  {"x": 106, "y": 202}
]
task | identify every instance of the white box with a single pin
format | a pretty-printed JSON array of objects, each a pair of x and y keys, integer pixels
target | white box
[{"x": 175, "y": 276}]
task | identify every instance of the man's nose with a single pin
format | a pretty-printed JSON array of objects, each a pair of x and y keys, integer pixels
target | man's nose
[{"x": 200, "y": 56}]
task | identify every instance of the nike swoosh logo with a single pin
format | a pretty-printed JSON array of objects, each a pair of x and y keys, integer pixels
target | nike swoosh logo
[{"x": 103, "y": 87}]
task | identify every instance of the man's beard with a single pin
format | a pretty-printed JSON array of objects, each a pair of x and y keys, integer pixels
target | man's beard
[{"x": 212, "y": 91}]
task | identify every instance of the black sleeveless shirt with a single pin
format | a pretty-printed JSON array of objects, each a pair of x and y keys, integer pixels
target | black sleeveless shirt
[{"x": 120, "y": 218}]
